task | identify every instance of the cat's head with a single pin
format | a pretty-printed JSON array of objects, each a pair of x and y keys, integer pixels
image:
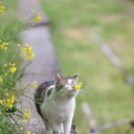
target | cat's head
[{"x": 65, "y": 85}]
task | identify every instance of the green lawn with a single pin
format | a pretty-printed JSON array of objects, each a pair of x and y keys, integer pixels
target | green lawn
[{"x": 106, "y": 91}]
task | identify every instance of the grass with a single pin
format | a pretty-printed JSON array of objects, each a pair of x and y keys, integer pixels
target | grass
[{"x": 107, "y": 93}]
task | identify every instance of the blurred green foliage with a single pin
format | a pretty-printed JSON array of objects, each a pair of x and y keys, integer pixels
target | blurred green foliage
[{"x": 9, "y": 25}]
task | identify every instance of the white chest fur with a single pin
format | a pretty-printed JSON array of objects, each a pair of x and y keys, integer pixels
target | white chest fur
[
  {"x": 55, "y": 109},
  {"x": 59, "y": 114}
]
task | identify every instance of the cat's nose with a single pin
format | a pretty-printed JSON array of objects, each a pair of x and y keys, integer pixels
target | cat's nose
[{"x": 73, "y": 88}]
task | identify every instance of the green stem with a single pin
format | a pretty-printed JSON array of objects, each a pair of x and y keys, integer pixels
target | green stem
[
  {"x": 19, "y": 92},
  {"x": 15, "y": 122}
]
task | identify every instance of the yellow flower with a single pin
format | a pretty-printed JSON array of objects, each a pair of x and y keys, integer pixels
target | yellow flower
[
  {"x": 28, "y": 133},
  {"x": 26, "y": 115},
  {"x": 1, "y": 11},
  {"x": 25, "y": 120},
  {"x": 7, "y": 94},
  {"x": 77, "y": 87},
  {"x": 29, "y": 49},
  {"x": 2, "y": 8},
  {"x": 6, "y": 74},
  {"x": 9, "y": 102},
  {"x": 26, "y": 45},
  {"x": 13, "y": 64},
  {"x": 5, "y": 65},
  {"x": 18, "y": 45},
  {"x": 13, "y": 69},
  {"x": 32, "y": 11},
  {"x": 39, "y": 14},
  {"x": 30, "y": 56},
  {"x": 12, "y": 99},
  {"x": 29, "y": 112},
  {"x": 1, "y": 80},
  {"x": 21, "y": 128},
  {"x": 37, "y": 19},
  {"x": 34, "y": 84},
  {"x": 5, "y": 48},
  {"x": 1, "y": 102},
  {"x": 26, "y": 52},
  {"x": 0, "y": 113},
  {"x": 0, "y": 40},
  {"x": 1, "y": 46}
]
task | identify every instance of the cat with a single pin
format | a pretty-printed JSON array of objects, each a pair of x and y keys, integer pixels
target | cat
[{"x": 55, "y": 103}]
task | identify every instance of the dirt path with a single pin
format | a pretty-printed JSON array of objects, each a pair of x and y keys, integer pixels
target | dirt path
[{"x": 44, "y": 65}]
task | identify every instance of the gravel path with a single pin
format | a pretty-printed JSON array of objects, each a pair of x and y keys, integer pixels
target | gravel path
[{"x": 44, "y": 64}]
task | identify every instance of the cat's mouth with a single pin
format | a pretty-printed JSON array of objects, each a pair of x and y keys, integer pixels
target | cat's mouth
[{"x": 73, "y": 90}]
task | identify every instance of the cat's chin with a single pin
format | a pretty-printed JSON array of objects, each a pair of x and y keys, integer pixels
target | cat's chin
[{"x": 73, "y": 93}]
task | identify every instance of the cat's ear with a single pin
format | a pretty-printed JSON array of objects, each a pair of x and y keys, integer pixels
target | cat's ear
[
  {"x": 58, "y": 77},
  {"x": 75, "y": 77}
]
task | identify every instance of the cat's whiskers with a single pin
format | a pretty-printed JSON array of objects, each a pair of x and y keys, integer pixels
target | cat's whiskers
[
  {"x": 82, "y": 96},
  {"x": 85, "y": 94}
]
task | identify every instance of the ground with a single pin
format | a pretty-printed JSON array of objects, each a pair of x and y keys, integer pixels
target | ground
[{"x": 72, "y": 25}]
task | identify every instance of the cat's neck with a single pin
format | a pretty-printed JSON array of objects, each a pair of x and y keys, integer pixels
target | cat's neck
[{"x": 60, "y": 98}]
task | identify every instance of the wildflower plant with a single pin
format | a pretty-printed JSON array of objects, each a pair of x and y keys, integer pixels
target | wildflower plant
[{"x": 10, "y": 60}]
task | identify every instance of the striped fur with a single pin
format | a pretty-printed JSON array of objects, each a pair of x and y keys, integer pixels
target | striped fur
[{"x": 41, "y": 93}]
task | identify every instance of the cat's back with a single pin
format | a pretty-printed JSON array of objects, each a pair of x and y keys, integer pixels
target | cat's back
[{"x": 41, "y": 92}]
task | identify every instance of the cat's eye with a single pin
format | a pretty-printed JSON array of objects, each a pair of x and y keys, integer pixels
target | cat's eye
[{"x": 73, "y": 83}]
